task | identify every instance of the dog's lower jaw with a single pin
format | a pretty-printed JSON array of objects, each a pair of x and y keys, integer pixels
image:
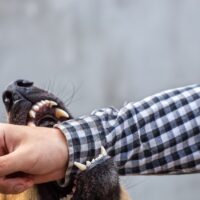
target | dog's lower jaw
[{"x": 30, "y": 194}]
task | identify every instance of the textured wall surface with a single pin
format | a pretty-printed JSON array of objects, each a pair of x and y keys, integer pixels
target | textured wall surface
[{"x": 109, "y": 52}]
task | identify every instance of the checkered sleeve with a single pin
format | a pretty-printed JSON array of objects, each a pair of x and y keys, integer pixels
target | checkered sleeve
[{"x": 158, "y": 135}]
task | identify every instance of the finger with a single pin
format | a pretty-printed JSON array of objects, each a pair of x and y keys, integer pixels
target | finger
[
  {"x": 53, "y": 176},
  {"x": 10, "y": 163},
  {"x": 14, "y": 185}
]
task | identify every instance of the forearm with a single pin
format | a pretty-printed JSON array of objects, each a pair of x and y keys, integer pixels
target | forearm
[{"x": 158, "y": 135}]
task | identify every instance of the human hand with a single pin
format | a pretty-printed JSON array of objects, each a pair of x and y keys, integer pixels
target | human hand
[{"x": 40, "y": 153}]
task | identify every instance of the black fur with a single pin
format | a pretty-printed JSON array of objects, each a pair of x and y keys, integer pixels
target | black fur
[{"x": 99, "y": 182}]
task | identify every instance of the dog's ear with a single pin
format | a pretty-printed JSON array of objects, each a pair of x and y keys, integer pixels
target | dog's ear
[{"x": 124, "y": 194}]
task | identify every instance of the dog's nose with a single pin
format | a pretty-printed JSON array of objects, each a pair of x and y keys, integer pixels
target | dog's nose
[{"x": 11, "y": 95}]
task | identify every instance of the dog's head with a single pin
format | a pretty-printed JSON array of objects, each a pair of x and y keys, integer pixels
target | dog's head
[{"x": 29, "y": 105}]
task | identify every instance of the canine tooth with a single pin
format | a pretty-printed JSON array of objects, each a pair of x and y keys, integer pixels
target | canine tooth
[
  {"x": 32, "y": 114},
  {"x": 82, "y": 167},
  {"x": 103, "y": 151},
  {"x": 36, "y": 108},
  {"x": 61, "y": 113},
  {"x": 88, "y": 163},
  {"x": 52, "y": 103},
  {"x": 93, "y": 160},
  {"x": 32, "y": 124}
]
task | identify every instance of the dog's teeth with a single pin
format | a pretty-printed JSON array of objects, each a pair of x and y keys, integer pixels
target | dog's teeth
[
  {"x": 99, "y": 157},
  {"x": 61, "y": 113},
  {"x": 43, "y": 102},
  {"x": 32, "y": 114},
  {"x": 82, "y": 167},
  {"x": 88, "y": 163},
  {"x": 36, "y": 108},
  {"x": 32, "y": 124},
  {"x": 47, "y": 102},
  {"x": 103, "y": 151},
  {"x": 52, "y": 103},
  {"x": 39, "y": 104}
]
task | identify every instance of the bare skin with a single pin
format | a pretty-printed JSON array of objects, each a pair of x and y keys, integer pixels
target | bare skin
[{"x": 41, "y": 153}]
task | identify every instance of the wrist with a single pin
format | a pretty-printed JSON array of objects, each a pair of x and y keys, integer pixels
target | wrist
[{"x": 63, "y": 144}]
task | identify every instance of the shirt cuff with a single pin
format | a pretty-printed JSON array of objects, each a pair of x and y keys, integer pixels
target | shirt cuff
[{"x": 65, "y": 181}]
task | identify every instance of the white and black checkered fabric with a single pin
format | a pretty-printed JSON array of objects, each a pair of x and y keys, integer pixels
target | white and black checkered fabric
[{"x": 158, "y": 135}]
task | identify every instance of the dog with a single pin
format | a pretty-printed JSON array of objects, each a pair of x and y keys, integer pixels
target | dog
[{"x": 29, "y": 105}]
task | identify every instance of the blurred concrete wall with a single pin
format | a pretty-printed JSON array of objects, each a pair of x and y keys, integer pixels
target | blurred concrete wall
[{"x": 109, "y": 51}]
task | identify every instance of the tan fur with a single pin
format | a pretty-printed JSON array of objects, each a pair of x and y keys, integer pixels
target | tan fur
[
  {"x": 124, "y": 194},
  {"x": 30, "y": 194}
]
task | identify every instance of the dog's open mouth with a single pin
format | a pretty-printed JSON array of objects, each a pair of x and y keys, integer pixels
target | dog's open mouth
[
  {"x": 46, "y": 113},
  {"x": 30, "y": 105}
]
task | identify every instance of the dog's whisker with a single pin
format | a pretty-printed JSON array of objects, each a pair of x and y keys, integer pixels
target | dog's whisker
[{"x": 132, "y": 185}]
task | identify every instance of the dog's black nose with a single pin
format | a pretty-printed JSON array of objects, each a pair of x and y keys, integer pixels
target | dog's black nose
[
  {"x": 23, "y": 83},
  {"x": 12, "y": 94}
]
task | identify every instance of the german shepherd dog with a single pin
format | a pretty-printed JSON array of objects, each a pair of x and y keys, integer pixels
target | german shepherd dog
[{"x": 98, "y": 180}]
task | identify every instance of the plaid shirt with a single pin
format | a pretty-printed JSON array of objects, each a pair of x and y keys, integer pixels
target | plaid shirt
[{"x": 158, "y": 135}]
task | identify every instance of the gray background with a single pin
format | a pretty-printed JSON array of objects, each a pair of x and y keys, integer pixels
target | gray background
[{"x": 108, "y": 52}]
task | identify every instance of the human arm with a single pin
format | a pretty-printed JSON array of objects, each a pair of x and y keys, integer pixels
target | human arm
[{"x": 158, "y": 135}]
